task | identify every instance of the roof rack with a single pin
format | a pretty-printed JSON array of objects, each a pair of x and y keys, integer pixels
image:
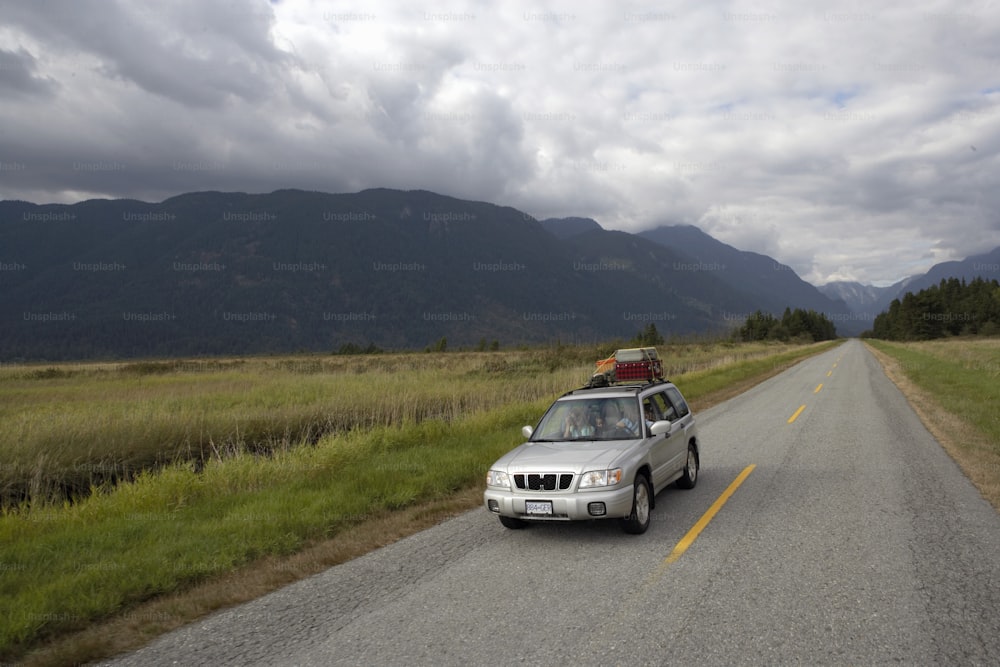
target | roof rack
[
  {"x": 623, "y": 386},
  {"x": 628, "y": 365}
]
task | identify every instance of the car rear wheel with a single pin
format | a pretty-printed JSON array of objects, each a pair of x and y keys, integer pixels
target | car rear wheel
[
  {"x": 512, "y": 523},
  {"x": 690, "y": 476},
  {"x": 638, "y": 521}
]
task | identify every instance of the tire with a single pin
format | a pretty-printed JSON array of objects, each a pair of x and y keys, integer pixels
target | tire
[
  {"x": 642, "y": 500},
  {"x": 691, "y": 467},
  {"x": 512, "y": 523}
]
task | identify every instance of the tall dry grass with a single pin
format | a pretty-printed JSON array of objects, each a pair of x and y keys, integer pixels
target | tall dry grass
[
  {"x": 68, "y": 429},
  {"x": 65, "y": 429}
]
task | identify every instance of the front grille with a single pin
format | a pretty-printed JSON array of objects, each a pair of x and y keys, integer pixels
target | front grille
[{"x": 543, "y": 482}]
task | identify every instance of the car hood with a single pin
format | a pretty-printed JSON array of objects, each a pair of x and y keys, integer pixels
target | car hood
[{"x": 577, "y": 456}]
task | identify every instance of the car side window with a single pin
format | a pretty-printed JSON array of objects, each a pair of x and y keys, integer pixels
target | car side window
[
  {"x": 652, "y": 410},
  {"x": 680, "y": 405},
  {"x": 666, "y": 410}
]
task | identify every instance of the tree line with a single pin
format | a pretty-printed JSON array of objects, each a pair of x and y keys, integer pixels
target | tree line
[
  {"x": 951, "y": 308},
  {"x": 795, "y": 324}
]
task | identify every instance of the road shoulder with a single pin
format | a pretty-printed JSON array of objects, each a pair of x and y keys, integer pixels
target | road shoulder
[{"x": 967, "y": 446}]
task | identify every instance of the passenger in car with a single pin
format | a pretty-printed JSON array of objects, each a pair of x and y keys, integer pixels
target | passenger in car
[
  {"x": 608, "y": 415},
  {"x": 650, "y": 412},
  {"x": 577, "y": 425}
]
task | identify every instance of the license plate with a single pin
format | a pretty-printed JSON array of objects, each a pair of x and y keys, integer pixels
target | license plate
[{"x": 542, "y": 507}]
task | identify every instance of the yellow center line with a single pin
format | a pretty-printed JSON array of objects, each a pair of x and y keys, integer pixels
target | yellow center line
[
  {"x": 692, "y": 534},
  {"x": 829, "y": 373},
  {"x": 797, "y": 413},
  {"x": 818, "y": 387}
]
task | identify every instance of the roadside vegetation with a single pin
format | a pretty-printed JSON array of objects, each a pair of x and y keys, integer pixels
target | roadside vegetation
[
  {"x": 794, "y": 325},
  {"x": 69, "y": 429},
  {"x": 954, "y": 385},
  {"x": 123, "y": 483},
  {"x": 953, "y": 307}
]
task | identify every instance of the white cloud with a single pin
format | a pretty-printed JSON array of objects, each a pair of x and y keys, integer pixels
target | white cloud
[{"x": 843, "y": 140}]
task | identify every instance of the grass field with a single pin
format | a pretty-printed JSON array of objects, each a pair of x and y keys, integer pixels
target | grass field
[
  {"x": 182, "y": 472},
  {"x": 69, "y": 428},
  {"x": 954, "y": 385}
]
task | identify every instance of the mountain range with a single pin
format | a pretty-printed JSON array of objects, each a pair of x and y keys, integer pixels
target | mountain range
[
  {"x": 217, "y": 273},
  {"x": 867, "y": 301}
]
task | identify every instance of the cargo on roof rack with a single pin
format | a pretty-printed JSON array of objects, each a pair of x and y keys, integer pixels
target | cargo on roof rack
[{"x": 628, "y": 365}]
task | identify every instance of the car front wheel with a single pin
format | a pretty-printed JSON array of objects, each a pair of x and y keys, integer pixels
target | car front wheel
[{"x": 638, "y": 521}]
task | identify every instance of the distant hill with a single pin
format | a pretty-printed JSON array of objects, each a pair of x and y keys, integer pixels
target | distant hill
[
  {"x": 867, "y": 301},
  {"x": 230, "y": 273},
  {"x": 662, "y": 277},
  {"x": 764, "y": 280},
  {"x": 864, "y": 301},
  {"x": 217, "y": 273},
  {"x": 857, "y": 296},
  {"x": 564, "y": 228},
  {"x": 986, "y": 266}
]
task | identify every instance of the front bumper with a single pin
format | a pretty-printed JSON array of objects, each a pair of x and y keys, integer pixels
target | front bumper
[{"x": 576, "y": 506}]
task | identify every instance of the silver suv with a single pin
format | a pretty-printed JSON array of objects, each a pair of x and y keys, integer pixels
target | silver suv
[{"x": 593, "y": 457}]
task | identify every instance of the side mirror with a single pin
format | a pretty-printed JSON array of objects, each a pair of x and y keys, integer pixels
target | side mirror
[
  {"x": 662, "y": 427},
  {"x": 526, "y": 431}
]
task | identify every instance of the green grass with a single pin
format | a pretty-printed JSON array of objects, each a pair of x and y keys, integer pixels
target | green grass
[
  {"x": 65, "y": 429},
  {"x": 963, "y": 376},
  {"x": 68, "y": 566},
  {"x": 423, "y": 427}
]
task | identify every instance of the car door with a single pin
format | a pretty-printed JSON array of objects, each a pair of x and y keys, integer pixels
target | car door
[
  {"x": 678, "y": 412},
  {"x": 663, "y": 448}
]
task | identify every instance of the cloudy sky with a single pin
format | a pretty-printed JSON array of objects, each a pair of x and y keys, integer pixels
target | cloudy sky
[{"x": 850, "y": 141}]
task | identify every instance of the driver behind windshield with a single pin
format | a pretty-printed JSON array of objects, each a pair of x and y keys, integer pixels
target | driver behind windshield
[
  {"x": 620, "y": 415},
  {"x": 630, "y": 418}
]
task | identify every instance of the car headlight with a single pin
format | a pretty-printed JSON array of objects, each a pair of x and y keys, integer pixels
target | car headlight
[
  {"x": 600, "y": 478},
  {"x": 498, "y": 478}
]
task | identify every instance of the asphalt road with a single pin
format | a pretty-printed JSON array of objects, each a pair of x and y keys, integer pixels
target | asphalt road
[{"x": 854, "y": 540}]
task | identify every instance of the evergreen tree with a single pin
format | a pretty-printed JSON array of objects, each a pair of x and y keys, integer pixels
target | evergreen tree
[
  {"x": 648, "y": 337},
  {"x": 950, "y": 308},
  {"x": 797, "y": 323}
]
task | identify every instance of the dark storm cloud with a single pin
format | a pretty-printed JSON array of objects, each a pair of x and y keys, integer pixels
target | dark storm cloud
[
  {"x": 18, "y": 75},
  {"x": 846, "y": 142},
  {"x": 195, "y": 53}
]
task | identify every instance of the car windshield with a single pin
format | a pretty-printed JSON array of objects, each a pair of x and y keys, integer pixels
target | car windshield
[{"x": 590, "y": 419}]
